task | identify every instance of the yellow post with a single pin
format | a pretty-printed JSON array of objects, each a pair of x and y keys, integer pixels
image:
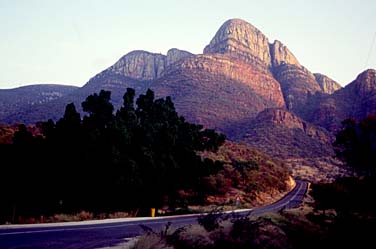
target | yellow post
[{"x": 152, "y": 212}]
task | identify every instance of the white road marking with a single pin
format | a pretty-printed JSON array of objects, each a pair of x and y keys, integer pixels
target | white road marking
[{"x": 89, "y": 228}]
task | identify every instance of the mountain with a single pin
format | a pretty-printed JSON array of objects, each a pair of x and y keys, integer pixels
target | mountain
[
  {"x": 251, "y": 89},
  {"x": 242, "y": 41},
  {"x": 356, "y": 100},
  {"x": 239, "y": 74},
  {"x": 216, "y": 89},
  {"x": 13, "y": 101}
]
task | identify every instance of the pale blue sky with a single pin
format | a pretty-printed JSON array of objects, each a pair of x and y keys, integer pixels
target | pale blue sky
[{"x": 69, "y": 41}]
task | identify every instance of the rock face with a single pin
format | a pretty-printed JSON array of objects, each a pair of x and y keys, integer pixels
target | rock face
[
  {"x": 280, "y": 54},
  {"x": 327, "y": 85},
  {"x": 174, "y": 55},
  {"x": 261, "y": 82},
  {"x": 297, "y": 84},
  {"x": 240, "y": 39},
  {"x": 283, "y": 134},
  {"x": 244, "y": 42},
  {"x": 140, "y": 65},
  {"x": 365, "y": 84},
  {"x": 289, "y": 120},
  {"x": 356, "y": 100},
  {"x": 218, "y": 92}
]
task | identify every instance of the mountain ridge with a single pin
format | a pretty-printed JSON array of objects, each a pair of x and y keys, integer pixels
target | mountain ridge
[
  {"x": 356, "y": 100},
  {"x": 241, "y": 79}
]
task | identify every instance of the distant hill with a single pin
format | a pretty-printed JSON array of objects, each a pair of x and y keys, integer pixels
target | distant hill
[{"x": 15, "y": 101}]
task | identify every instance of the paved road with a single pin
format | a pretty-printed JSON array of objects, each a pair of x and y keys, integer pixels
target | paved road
[{"x": 107, "y": 234}]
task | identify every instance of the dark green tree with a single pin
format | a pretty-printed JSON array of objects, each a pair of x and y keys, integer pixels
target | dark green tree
[
  {"x": 356, "y": 144},
  {"x": 99, "y": 108},
  {"x": 23, "y": 137}
]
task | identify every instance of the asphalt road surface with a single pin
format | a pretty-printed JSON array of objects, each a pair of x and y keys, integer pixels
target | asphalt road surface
[{"x": 98, "y": 234}]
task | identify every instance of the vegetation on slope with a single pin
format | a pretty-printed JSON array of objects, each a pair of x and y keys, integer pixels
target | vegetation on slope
[
  {"x": 253, "y": 176},
  {"x": 6, "y": 134},
  {"x": 342, "y": 214}
]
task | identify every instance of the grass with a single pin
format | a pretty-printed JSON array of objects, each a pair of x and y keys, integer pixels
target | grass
[{"x": 66, "y": 217}]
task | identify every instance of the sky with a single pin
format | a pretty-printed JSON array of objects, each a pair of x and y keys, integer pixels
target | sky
[{"x": 70, "y": 41}]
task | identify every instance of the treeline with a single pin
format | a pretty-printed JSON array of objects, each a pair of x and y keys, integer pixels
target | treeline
[
  {"x": 136, "y": 157},
  {"x": 347, "y": 210},
  {"x": 355, "y": 144}
]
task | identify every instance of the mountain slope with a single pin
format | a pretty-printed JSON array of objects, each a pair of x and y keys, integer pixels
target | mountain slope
[
  {"x": 217, "y": 91},
  {"x": 282, "y": 134},
  {"x": 13, "y": 101},
  {"x": 356, "y": 100}
]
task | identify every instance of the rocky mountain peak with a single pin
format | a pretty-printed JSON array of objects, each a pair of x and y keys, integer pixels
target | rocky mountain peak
[
  {"x": 143, "y": 65},
  {"x": 239, "y": 38},
  {"x": 174, "y": 55},
  {"x": 140, "y": 65},
  {"x": 326, "y": 84},
  {"x": 280, "y": 54},
  {"x": 365, "y": 83}
]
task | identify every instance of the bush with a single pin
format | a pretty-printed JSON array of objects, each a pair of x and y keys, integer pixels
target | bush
[{"x": 212, "y": 220}]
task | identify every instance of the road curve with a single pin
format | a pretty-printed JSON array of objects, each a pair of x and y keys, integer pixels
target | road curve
[{"x": 105, "y": 233}]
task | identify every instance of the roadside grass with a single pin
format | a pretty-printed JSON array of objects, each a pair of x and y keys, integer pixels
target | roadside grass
[{"x": 66, "y": 217}]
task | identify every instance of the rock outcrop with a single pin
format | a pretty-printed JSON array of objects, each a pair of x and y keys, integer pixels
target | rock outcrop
[
  {"x": 327, "y": 85},
  {"x": 140, "y": 65},
  {"x": 289, "y": 120},
  {"x": 297, "y": 84},
  {"x": 280, "y": 54},
  {"x": 146, "y": 66},
  {"x": 241, "y": 40},
  {"x": 365, "y": 84},
  {"x": 174, "y": 55}
]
